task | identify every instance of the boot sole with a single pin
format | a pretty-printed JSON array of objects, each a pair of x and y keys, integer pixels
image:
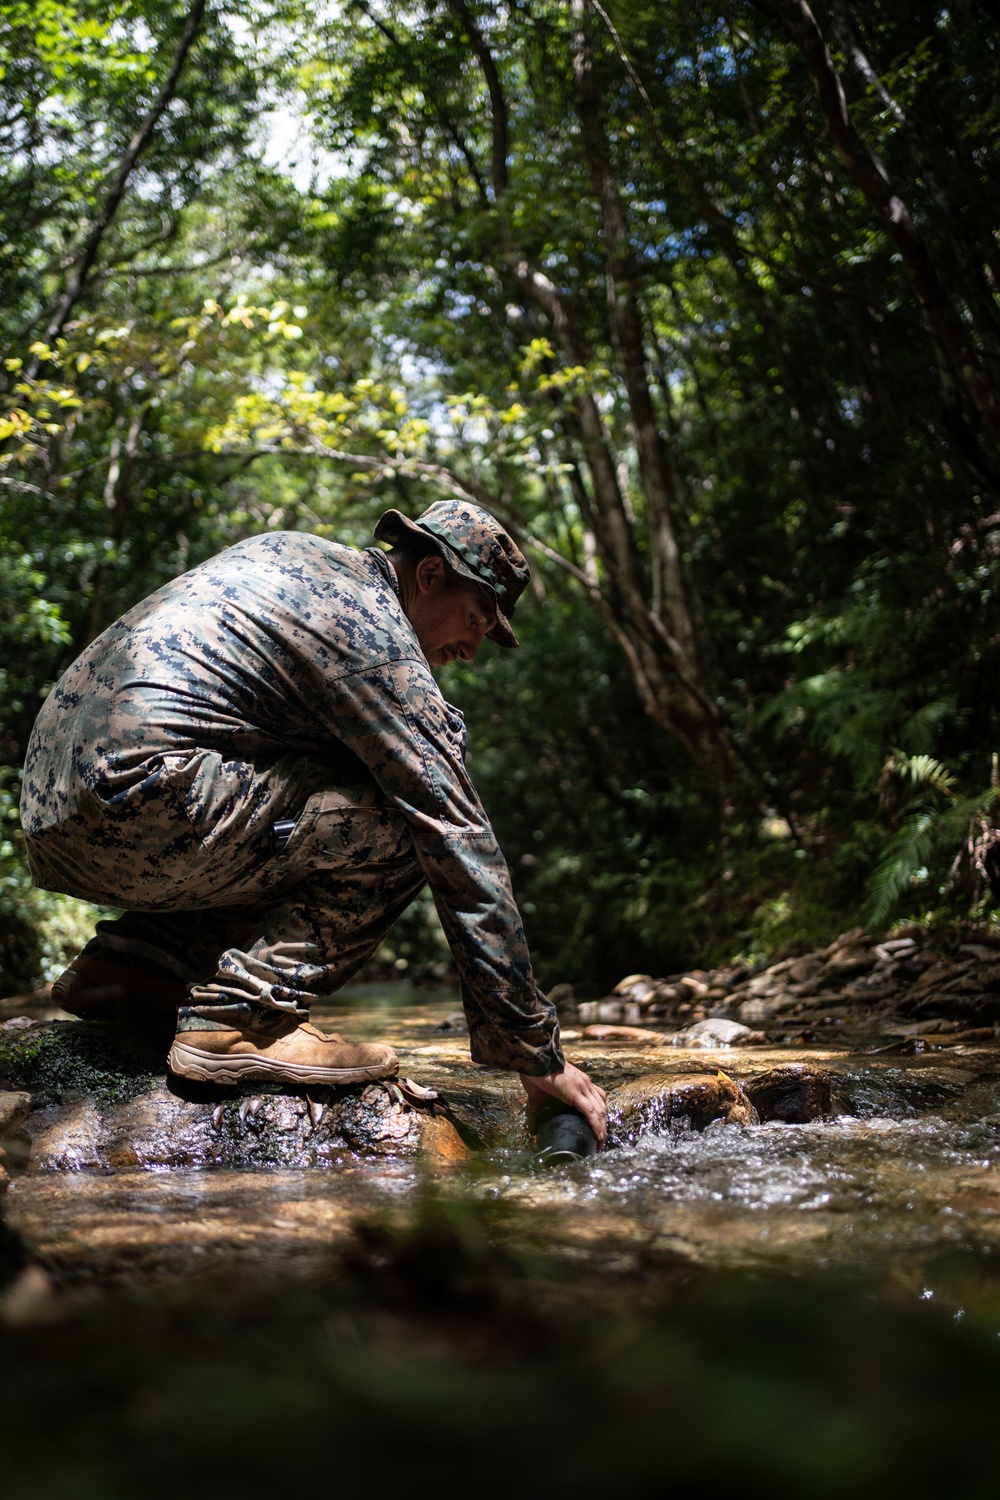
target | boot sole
[{"x": 202, "y": 1067}]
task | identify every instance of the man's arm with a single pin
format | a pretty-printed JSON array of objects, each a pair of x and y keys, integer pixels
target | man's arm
[{"x": 394, "y": 718}]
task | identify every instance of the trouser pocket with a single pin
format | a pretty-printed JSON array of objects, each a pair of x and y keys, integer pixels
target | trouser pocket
[{"x": 348, "y": 828}]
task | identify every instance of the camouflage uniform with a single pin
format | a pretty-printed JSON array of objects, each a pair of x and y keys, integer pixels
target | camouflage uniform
[{"x": 279, "y": 681}]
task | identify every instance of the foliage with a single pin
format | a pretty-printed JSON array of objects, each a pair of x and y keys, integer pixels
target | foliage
[{"x": 598, "y": 267}]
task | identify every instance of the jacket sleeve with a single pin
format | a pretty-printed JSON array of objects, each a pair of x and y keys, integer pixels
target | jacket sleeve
[{"x": 395, "y": 719}]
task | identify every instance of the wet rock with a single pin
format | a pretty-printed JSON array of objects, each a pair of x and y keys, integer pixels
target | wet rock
[
  {"x": 48, "y": 1059},
  {"x": 160, "y": 1129},
  {"x": 622, "y": 1034},
  {"x": 717, "y": 1032},
  {"x": 649, "y": 1105},
  {"x": 97, "y": 1107},
  {"x": 441, "y": 1145},
  {"x": 14, "y": 1110},
  {"x": 795, "y": 1094},
  {"x": 454, "y": 1021},
  {"x": 563, "y": 997}
]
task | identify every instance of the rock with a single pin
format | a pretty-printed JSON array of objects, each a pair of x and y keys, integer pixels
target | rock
[
  {"x": 622, "y": 1034},
  {"x": 635, "y": 986},
  {"x": 846, "y": 963},
  {"x": 99, "y": 1108},
  {"x": 717, "y": 1032},
  {"x": 647, "y": 1105},
  {"x": 976, "y": 1007},
  {"x": 454, "y": 1021},
  {"x": 630, "y": 980},
  {"x": 895, "y": 948},
  {"x": 14, "y": 1110},
  {"x": 795, "y": 1093},
  {"x": 29, "y": 1298},
  {"x": 853, "y": 939},
  {"x": 938, "y": 973},
  {"x": 802, "y": 970},
  {"x": 563, "y": 997},
  {"x": 440, "y": 1143},
  {"x": 758, "y": 1010}
]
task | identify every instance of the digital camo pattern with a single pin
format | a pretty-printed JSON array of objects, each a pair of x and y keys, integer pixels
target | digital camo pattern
[
  {"x": 475, "y": 545},
  {"x": 281, "y": 679}
]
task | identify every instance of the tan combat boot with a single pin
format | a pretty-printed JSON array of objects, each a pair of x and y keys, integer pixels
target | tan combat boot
[{"x": 277, "y": 1048}]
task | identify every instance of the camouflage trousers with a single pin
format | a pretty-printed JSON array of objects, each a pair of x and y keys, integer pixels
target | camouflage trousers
[{"x": 187, "y": 848}]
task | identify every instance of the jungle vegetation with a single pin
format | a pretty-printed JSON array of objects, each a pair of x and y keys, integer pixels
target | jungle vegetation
[{"x": 701, "y": 299}]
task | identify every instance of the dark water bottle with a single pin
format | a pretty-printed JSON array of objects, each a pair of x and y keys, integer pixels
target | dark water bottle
[{"x": 563, "y": 1135}]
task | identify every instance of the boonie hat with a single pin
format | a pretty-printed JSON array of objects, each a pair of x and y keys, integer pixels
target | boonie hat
[{"x": 475, "y": 544}]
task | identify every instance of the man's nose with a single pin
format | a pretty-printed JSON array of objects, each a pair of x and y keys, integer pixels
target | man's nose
[{"x": 467, "y": 649}]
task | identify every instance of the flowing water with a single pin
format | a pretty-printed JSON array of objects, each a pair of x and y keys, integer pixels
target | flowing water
[{"x": 904, "y": 1165}]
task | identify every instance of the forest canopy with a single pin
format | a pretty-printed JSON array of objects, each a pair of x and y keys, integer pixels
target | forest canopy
[{"x": 701, "y": 300}]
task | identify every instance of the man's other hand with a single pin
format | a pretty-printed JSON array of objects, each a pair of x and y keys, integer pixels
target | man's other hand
[{"x": 572, "y": 1086}]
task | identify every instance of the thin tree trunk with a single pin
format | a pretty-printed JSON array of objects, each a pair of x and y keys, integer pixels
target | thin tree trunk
[
  {"x": 628, "y": 340},
  {"x": 893, "y": 213}
]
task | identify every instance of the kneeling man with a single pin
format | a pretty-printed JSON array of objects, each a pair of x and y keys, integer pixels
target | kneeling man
[{"x": 257, "y": 764}]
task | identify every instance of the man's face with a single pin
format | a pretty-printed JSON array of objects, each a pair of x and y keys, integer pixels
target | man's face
[{"x": 450, "y": 619}]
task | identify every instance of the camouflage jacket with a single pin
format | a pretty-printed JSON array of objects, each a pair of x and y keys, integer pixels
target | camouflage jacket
[{"x": 289, "y": 643}]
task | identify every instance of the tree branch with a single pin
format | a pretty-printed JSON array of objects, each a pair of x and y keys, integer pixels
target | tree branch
[{"x": 139, "y": 142}]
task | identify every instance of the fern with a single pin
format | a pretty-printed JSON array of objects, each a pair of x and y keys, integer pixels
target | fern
[
  {"x": 910, "y": 849},
  {"x": 927, "y": 836},
  {"x": 921, "y": 771}
]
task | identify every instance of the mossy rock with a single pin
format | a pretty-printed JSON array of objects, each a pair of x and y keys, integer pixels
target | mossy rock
[{"x": 53, "y": 1059}]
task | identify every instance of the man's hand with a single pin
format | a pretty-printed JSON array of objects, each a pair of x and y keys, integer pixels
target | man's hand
[{"x": 572, "y": 1086}]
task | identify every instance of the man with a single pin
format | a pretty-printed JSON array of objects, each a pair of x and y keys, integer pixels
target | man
[{"x": 257, "y": 764}]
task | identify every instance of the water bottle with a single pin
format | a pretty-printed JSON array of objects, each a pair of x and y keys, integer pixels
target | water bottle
[{"x": 563, "y": 1135}]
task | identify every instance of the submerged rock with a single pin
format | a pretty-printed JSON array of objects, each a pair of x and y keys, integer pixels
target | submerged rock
[{"x": 648, "y": 1105}]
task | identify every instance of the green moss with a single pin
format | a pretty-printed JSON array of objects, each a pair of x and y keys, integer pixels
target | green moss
[{"x": 58, "y": 1057}]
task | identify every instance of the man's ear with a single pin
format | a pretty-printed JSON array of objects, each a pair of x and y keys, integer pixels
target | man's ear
[{"x": 429, "y": 572}]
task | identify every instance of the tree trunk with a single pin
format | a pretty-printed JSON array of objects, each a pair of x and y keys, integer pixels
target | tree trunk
[{"x": 890, "y": 208}]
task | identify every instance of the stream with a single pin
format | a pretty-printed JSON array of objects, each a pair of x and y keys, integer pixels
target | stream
[{"x": 903, "y": 1165}]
